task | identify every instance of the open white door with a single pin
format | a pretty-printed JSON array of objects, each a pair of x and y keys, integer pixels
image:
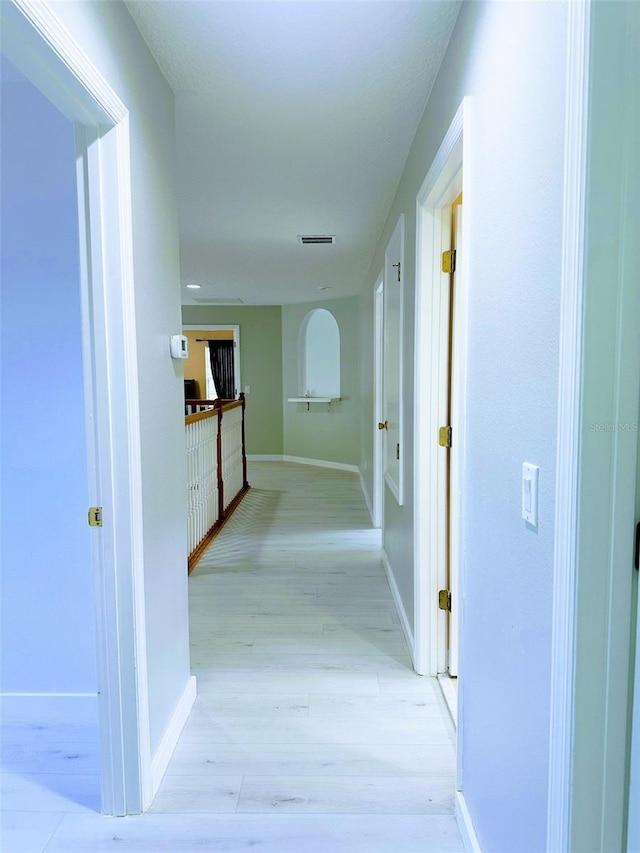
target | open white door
[
  {"x": 378, "y": 434},
  {"x": 454, "y": 456},
  {"x": 391, "y": 424},
  {"x": 440, "y": 362}
]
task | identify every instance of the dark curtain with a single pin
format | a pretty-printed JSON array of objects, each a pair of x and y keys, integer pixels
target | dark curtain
[{"x": 222, "y": 369}]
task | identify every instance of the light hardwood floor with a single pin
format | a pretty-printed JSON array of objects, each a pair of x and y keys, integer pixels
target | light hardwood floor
[{"x": 310, "y": 733}]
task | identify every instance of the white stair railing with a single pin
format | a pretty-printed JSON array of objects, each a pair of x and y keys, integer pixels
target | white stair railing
[
  {"x": 232, "y": 468},
  {"x": 216, "y": 469},
  {"x": 202, "y": 478}
]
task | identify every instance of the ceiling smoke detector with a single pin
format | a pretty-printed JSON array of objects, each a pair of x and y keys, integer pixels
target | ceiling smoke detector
[{"x": 316, "y": 239}]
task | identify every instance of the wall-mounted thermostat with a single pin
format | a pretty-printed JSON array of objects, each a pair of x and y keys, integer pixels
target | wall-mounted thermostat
[{"x": 179, "y": 346}]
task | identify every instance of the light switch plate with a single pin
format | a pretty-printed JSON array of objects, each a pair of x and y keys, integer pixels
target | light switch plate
[{"x": 530, "y": 493}]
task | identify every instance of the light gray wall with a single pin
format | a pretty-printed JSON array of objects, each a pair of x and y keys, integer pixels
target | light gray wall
[
  {"x": 510, "y": 58},
  {"x": 48, "y": 618},
  {"x": 330, "y": 435},
  {"x": 108, "y": 35},
  {"x": 260, "y": 367}
]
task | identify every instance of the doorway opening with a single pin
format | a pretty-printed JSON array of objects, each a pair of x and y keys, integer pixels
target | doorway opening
[
  {"x": 448, "y": 600},
  {"x": 49, "y": 679},
  {"x": 440, "y": 358},
  {"x": 197, "y": 367},
  {"x": 44, "y": 53}
]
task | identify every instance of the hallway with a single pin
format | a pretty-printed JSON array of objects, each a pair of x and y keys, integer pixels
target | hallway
[{"x": 307, "y": 703}]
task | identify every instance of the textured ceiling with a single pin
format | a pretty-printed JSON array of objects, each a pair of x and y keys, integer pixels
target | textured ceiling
[{"x": 292, "y": 118}]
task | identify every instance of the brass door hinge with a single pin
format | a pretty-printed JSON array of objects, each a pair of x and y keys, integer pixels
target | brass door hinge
[
  {"x": 397, "y": 451},
  {"x": 399, "y": 266},
  {"x": 95, "y": 516},
  {"x": 444, "y": 600},
  {"x": 449, "y": 261},
  {"x": 445, "y": 436}
]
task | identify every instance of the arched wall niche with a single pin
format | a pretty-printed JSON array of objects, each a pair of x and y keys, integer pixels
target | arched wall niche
[{"x": 319, "y": 355}]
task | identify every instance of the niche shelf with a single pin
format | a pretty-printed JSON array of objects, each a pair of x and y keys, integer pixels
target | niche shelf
[{"x": 309, "y": 400}]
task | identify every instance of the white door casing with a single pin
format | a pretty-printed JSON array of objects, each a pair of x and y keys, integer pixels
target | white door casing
[
  {"x": 633, "y": 829},
  {"x": 443, "y": 183},
  {"x": 597, "y": 454}
]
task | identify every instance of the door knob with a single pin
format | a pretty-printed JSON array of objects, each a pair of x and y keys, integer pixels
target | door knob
[{"x": 384, "y": 425}]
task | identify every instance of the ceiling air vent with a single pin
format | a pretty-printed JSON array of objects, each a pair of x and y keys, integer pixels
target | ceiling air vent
[
  {"x": 316, "y": 239},
  {"x": 215, "y": 300}
]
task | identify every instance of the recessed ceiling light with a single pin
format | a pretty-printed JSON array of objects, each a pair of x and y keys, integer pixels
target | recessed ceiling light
[
  {"x": 325, "y": 288},
  {"x": 194, "y": 286}
]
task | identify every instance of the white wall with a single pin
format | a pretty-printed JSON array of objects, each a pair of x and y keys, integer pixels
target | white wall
[
  {"x": 332, "y": 436},
  {"x": 510, "y": 57},
  {"x": 108, "y": 35},
  {"x": 48, "y": 622}
]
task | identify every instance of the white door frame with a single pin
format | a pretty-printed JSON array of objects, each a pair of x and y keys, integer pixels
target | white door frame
[
  {"x": 37, "y": 43},
  {"x": 378, "y": 369},
  {"x": 633, "y": 829},
  {"x": 224, "y": 327},
  {"x": 443, "y": 183},
  {"x": 596, "y": 471}
]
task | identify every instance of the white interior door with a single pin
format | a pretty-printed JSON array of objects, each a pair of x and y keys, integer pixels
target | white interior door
[
  {"x": 393, "y": 452},
  {"x": 378, "y": 359},
  {"x": 454, "y": 462}
]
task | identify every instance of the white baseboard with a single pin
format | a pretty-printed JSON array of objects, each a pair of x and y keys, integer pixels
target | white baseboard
[
  {"x": 367, "y": 499},
  {"x": 173, "y": 731},
  {"x": 322, "y": 463},
  {"x": 450, "y": 696},
  {"x": 264, "y": 457},
  {"x": 402, "y": 613},
  {"x": 50, "y": 708},
  {"x": 465, "y": 825}
]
